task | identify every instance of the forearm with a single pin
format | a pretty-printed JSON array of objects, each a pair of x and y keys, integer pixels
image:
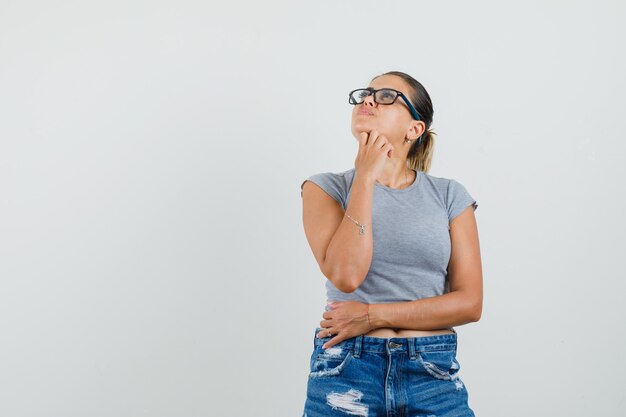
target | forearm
[
  {"x": 448, "y": 310},
  {"x": 349, "y": 253}
]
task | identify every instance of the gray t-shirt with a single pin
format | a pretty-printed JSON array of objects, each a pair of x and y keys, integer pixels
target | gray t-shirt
[{"x": 411, "y": 236}]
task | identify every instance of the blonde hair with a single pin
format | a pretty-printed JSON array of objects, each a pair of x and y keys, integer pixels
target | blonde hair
[{"x": 420, "y": 155}]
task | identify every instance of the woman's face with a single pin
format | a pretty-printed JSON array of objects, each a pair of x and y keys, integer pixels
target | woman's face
[{"x": 392, "y": 120}]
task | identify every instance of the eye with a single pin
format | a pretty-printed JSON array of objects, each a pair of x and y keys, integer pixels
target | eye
[{"x": 388, "y": 94}]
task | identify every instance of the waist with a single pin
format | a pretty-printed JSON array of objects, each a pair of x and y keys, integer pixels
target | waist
[
  {"x": 388, "y": 332},
  {"x": 385, "y": 345}
]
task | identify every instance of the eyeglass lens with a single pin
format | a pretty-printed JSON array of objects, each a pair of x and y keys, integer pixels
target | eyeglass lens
[{"x": 383, "y": 96}]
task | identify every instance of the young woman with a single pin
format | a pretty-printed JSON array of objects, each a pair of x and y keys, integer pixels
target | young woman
[{"x": 400, "y": 252}]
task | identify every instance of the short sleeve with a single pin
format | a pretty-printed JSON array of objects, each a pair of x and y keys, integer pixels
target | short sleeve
[
  {"x": 331, "y": 183},
  {"x": 458, "y": 198}
]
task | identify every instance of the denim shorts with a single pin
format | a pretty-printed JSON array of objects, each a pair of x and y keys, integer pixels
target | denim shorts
[{"x": 386, "y": 377}]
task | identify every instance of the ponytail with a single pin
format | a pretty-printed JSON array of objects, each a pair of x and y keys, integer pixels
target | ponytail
[{"x": 421, "y": 152}]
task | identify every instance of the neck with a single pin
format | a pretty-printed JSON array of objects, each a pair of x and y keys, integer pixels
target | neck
[{"x": 396, "y": 174}]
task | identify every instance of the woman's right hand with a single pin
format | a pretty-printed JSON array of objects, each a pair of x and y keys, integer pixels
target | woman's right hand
[{"x": 374, "y": 149}]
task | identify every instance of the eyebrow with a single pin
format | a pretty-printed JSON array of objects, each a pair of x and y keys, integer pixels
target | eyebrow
[{"x": 381, "y": 88}]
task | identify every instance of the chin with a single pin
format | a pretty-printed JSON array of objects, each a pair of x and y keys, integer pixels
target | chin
[{"x": 362, "y": 127}]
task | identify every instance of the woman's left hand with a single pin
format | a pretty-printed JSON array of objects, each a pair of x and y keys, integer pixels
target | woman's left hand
[{"x": 346, "y": 319}]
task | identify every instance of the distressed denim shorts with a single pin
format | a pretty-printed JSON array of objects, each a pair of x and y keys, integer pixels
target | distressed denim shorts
[{"x": 386, "y": 377}]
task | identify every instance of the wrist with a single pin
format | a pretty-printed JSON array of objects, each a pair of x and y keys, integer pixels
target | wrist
[
  {"x": 367, "y": 315},
  {"x": 376, "y": 316},
  {"x": 364, "y": 178}
]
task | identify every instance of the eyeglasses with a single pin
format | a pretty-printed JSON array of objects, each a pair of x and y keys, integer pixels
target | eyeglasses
[{"x": 381, "y": 96}]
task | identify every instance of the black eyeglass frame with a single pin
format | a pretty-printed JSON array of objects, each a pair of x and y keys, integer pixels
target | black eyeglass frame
[{"x": 373, "y": 92}]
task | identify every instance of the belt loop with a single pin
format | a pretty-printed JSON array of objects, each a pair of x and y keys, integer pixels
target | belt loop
[
  {"x": 411, "y": 342},
  {"x": 357, "y": 346}
]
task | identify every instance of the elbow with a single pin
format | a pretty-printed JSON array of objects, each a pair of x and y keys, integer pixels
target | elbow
[
  {"x": 344, "y": 282},
  {"x": 476, "y": 311},
  {"x": 471, "y": 306},
  {"x": 347, "y": 288},
  {"x": 475, "y": 317},
  {"x": 344, "y": 279}
]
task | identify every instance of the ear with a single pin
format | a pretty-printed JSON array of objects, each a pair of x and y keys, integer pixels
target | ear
[{"x": 416, "y": 129}]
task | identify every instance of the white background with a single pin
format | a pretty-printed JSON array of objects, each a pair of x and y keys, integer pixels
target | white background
[{"x": 153, "y": 259}]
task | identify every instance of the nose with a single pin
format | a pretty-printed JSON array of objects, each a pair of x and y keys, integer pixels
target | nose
[{"x": 369, "y": 100}]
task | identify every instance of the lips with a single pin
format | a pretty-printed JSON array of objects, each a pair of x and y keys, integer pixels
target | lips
[{"x": 364, "y": 111}]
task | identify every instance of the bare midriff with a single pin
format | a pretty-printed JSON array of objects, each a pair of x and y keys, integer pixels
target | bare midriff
[{"x": 388, "y": 332}]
